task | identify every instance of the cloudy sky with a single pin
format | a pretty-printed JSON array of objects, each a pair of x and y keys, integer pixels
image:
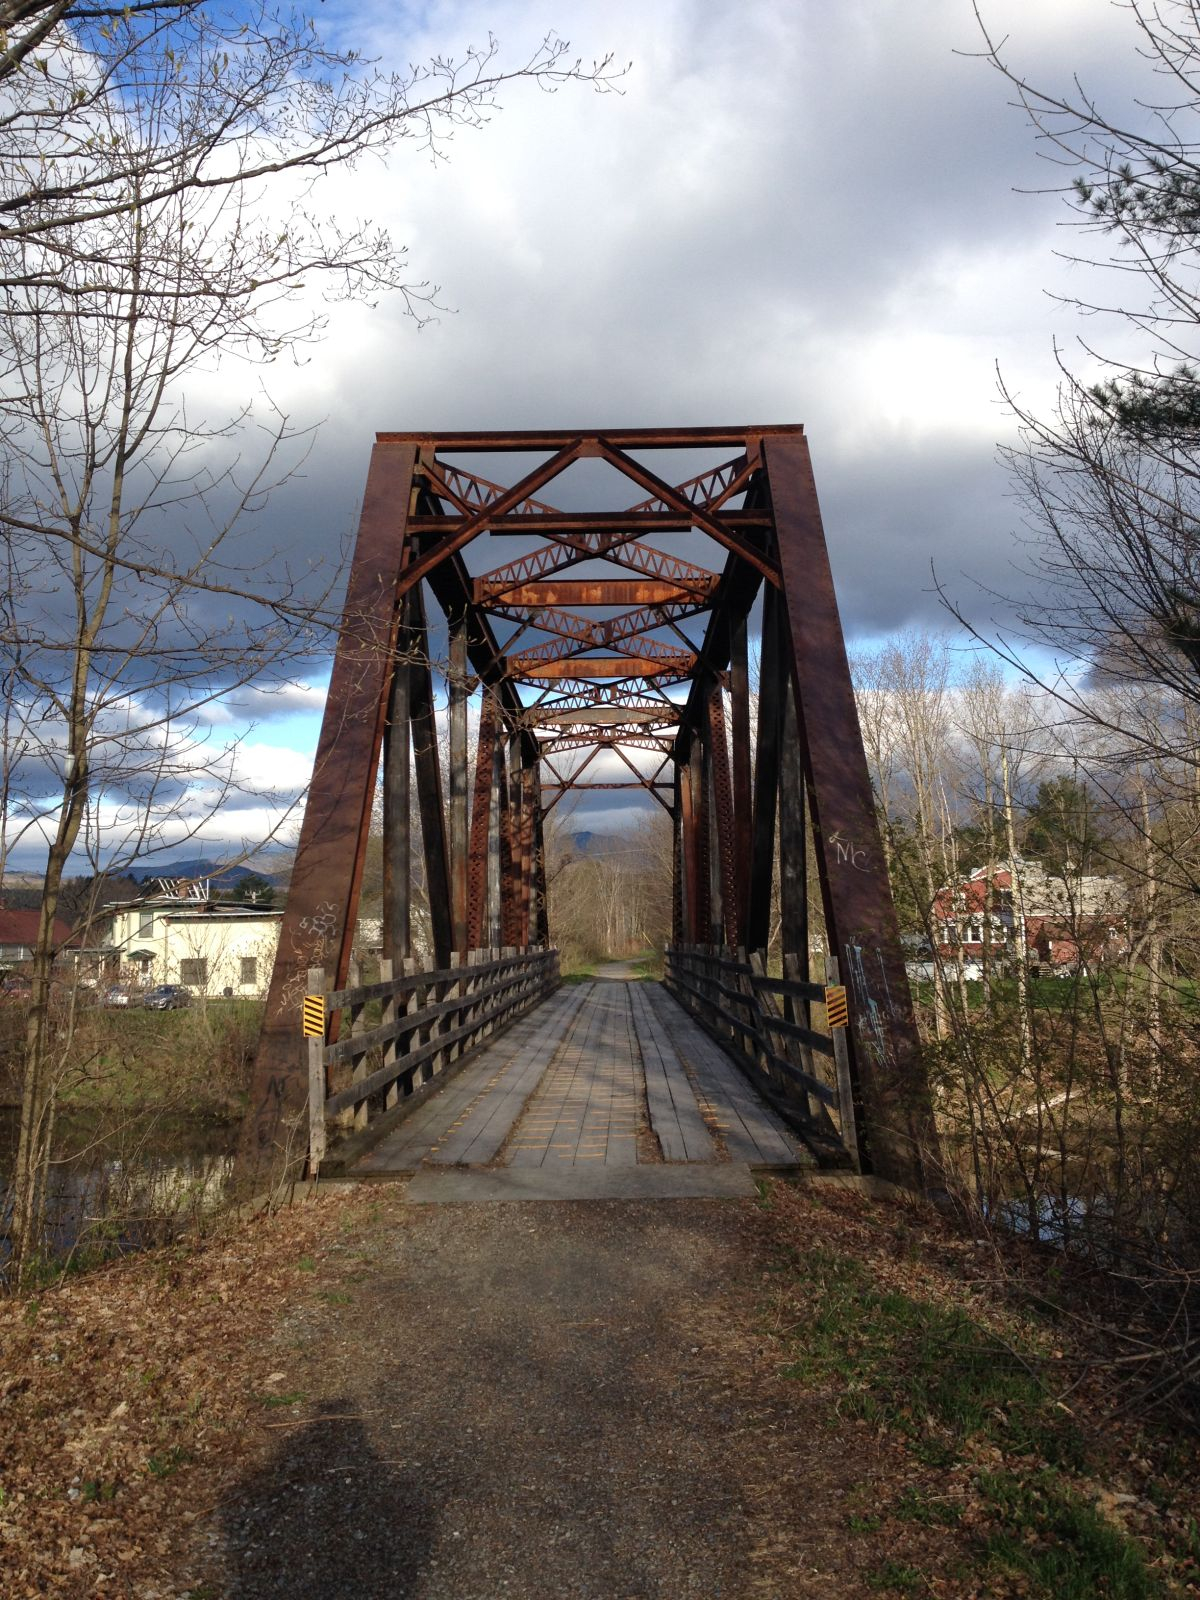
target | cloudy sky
[{"x": 792, "y": 211}]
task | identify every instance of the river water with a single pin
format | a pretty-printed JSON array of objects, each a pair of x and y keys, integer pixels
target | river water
[{"x": 122, "y": 1180}]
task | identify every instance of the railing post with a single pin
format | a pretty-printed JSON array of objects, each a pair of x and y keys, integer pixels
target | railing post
[
  {"x": 392, "y": 1093},
  {"x": 841, "y": 1058},
  {"x": 316, "y": 1082},
  {"x": 359, "y": 1063}
]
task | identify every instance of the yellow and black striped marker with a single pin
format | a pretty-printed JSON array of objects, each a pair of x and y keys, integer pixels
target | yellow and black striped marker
[
  {"x": 837, "y": 1009},
  {"x": 314, "y": 1016}
]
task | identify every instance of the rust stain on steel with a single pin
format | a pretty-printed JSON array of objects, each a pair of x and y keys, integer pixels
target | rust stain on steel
[
  {"x": 622, "y": 547},
  {"x": 587, "y": 592},
  {"x": 481, "y": 809},
  {"x": 624, "y": 438},
  {"x": 859, "y": 912},
  {"x": 629, "y": 666},
  {"x": 718, "y": 752},
  {"x": 318, "y": 921}
]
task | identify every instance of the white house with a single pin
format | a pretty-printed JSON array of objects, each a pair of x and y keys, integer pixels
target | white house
[{"x": 213, "y": 947}]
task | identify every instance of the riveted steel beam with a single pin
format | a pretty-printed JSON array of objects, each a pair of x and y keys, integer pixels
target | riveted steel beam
[
  {"x": 568, "y": 592},
  {"x": 859, "y": 914}
]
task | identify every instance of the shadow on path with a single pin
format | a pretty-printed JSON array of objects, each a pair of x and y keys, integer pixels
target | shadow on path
[{"x": 326, "y": 1516}]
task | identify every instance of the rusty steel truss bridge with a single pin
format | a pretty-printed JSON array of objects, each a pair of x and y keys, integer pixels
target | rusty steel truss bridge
[{"x": 595, "y": 597}]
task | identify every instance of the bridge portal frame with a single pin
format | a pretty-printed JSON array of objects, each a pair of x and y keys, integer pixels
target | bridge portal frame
[{"x": 746, "y": 790}]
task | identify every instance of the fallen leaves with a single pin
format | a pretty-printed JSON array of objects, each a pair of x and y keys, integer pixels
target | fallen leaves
[{"x": 128, "y": 1395}]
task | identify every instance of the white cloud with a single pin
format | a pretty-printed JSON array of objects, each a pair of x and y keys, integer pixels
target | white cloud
[{"x": 794, "y": 211}]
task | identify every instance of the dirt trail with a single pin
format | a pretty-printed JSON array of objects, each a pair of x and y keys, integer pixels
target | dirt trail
[
  {"x": 537, "y": 1400},
  {"x": 617, "y": 972}
]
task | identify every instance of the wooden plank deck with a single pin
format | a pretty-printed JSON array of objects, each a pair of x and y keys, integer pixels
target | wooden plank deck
[
  {"x": 749, "y": 1128},
  {"x": 581, "y": 1083}
]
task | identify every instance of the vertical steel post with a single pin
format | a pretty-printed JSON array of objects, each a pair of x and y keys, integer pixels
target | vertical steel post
[
  {"x": 525, "y": 836},
  {"x": 698, "y": 777},
  {"x": 510, "y": 911},
  {"x": 429, "y": 788},
  {"x": 496, "y": 827},
  {"x": 766, "y": 781},
  {"x": 898, "y": 1138},
  {"x": 678, "y": 872},
  {"x": 318, "y": 922},
  {"x": 479, "y": 853},
  {"x": 743, "y": 806},
  {"x": 456, "y": 681},
  {"x": 397, "y": 804},
  {"x": 724, "y": 816},
  {"x": 540, "y": 919},
  {"x": 793, "y": 843}
]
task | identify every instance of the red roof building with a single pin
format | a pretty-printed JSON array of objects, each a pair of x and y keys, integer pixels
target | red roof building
[
  {"x": 18, "y": 935},
  {"x": 1063, "y": 921}
]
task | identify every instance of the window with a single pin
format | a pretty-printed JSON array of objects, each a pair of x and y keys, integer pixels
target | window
[
  {"x": 250, "y": 969},
  {"x": 146, "y": 925},
  {"x": 194, "y": 970}
]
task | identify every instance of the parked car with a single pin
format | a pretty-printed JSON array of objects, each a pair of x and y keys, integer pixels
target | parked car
[
  {"x": 167, "y": 997},
  {"x": 15, "y": 987},
  {"x": 121, "y": 994}
]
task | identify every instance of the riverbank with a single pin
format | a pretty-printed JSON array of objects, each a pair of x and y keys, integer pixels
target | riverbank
[
  {"x": 814, "y": 1394},
  {"x": 192, "y": 1060}
]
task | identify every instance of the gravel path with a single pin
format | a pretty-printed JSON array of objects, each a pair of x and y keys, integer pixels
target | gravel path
[
  {"x": 617, "y": 971},
  {"x": 537, "y": 1400}
]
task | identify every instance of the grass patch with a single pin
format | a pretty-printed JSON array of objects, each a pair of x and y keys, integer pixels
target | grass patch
[
  {"x": 924, "y": 1369},
  {"x": 930, "y": 1511},
  {"x": 650, "y": 966},
  {"x": 897, "y": 1576},
  {"x": 163, "y": 1465},
  {"x": 1050, "y": 1536},
  {"x": 98, "y": 1491},
  {"x": 954, "y": 1392},
  {"x": 863, "y": 1524},
  {"x": 274, "y": 1402},
  {"x": 193, "y": 1059}
]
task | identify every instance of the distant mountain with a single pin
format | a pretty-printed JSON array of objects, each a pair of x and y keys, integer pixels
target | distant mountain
[
  {"x": 593, "y": 844},
  {"x": 220, "y": 877}
]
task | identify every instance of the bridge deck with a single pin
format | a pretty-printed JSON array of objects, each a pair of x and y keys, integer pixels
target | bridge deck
[{"x": 606, "y": 1088}]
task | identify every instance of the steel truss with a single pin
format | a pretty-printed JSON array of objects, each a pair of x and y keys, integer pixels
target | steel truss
[{"x": 749, "y": 781}]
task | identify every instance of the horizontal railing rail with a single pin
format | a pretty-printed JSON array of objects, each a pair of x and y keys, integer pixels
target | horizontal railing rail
[
  {"x": 361, "y": 1067},
  {"x": 766, "y": 1025}
]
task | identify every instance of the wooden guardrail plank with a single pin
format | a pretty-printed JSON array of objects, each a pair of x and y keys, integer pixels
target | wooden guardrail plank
[
  {"x": 743, "y": 1014},
  {"x": 435, "y": 1032}
]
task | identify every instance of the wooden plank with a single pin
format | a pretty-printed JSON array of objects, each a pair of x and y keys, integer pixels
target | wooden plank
[
  {"x": 478, "y": 1137},
  {"x": 418, "y": 1135},
  {"x": 550, "y": 1130},
  {"x": 751, "y": 1131},
  {"x": 674, "y": 1114}
]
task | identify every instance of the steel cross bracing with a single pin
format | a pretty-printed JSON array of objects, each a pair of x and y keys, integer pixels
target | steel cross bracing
[{"x": 612, "y": 654}]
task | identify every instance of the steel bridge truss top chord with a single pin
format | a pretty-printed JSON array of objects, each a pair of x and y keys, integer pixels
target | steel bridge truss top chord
[{"x": 601, "y": 667}]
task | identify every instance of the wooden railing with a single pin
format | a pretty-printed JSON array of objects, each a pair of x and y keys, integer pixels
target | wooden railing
[
  {"x": 767, "y": 1026},
  {"x": 364, "y": 1065}
]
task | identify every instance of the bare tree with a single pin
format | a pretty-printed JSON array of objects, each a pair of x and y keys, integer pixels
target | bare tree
[
  {"x": 1111, "y": 477},
  {"x": 144, "y": 241}
]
